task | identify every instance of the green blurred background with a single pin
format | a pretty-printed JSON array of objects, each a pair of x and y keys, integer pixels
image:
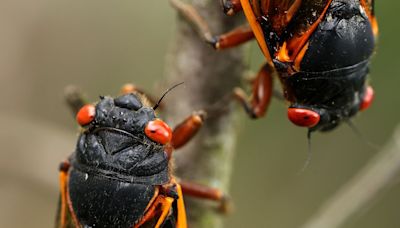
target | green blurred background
[{"x": 101, "y": 44}]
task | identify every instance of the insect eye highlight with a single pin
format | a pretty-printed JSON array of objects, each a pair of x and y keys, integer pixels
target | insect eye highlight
[
  {"x": 86, "y": 114},
  {"x": 158, "y": 131}
]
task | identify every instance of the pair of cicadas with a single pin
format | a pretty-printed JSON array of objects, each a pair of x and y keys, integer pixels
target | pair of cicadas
[{"x": 119, "y": 174}]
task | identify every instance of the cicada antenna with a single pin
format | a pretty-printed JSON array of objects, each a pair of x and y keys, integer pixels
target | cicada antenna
[
  {"x": 309, "y": 153},
  {"x": 165, "y": 93},
  {"x": 361, "y": 136}
]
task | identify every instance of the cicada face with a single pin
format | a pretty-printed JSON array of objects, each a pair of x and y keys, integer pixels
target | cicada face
[{"x": 122, "y": 138}]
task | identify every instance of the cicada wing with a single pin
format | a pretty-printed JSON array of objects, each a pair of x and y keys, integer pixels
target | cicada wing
[{"x": 63, "y": 218}]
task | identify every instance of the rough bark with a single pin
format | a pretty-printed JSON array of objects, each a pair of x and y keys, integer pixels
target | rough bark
[{"x": 209, "y": 77}]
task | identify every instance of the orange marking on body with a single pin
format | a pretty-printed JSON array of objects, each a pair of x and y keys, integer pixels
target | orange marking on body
[
  {"x": 161, "y": 201},
  {"x": 283, "y": 53},
  {"x": 296, "y": 44},
  {"x": 375, "y": 27},
  {"x": 181, "y": 220},
  {"x": 300, "y": 56},
  {"x": 371, "y": 17},
  {"x": 257, "y": 30}
]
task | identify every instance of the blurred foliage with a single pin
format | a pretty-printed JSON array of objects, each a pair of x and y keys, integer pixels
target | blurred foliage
[{"x": 99, "y": 45}]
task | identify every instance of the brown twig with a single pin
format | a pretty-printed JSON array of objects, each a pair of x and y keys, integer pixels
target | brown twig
[{"x": 209, "y": 77}]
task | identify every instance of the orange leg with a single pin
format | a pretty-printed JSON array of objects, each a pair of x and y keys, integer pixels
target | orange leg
[
  {"x": 231, "y": 39},
  {"x": 234, "y": 38},
  {"x": 130, "y": 88},
  {"x": 161, "y": 206},
  {"x": 165, "y": 209},
  {"x": 185, "y": 131},
  {"x": 261, "y": 95},
  {"x": 205, "y": 192}
]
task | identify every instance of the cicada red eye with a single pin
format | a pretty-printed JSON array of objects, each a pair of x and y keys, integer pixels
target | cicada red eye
[
  {"x": 368, "y": 98},
  {"x": 158, "y": 131},
  {"x": 303, "y": 117},
  {"x": 86, "y": 114}
]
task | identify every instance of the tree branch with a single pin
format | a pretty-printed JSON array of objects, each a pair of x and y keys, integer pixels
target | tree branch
[{"x": 209, "y": 77}]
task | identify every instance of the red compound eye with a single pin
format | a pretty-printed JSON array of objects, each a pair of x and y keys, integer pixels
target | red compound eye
[
  {"x": 368, "y": 98},
  {"x": 86, "y": 114},
  {"x": 303, "y": 117},
  {"x": 158, "y": 131}
]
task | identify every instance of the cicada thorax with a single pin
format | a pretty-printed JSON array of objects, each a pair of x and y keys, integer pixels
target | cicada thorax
[
  {"x": 321, "y": 50},
  {"x": 99, "y": 201}
]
